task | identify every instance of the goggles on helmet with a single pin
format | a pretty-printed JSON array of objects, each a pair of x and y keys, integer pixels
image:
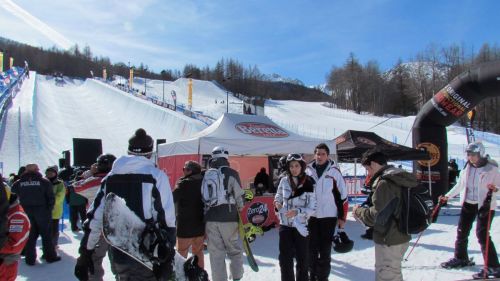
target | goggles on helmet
[{"x": 294, "y": 157}]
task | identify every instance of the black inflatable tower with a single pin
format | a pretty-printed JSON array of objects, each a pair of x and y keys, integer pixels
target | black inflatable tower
[{"x": 445, "y": 107}]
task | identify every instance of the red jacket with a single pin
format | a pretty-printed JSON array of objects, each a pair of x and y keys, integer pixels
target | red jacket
[{"x": 19, "y": 230}]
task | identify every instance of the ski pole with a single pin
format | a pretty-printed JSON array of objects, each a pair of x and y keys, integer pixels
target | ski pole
[{"x": 433, "y": 215}]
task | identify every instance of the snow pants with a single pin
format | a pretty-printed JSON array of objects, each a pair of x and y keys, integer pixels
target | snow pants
[
  {"x": 388, "y": 261},
  {"x": 75, "y": 212},
  {"x": 196, "y": 244},
  {"x": 321, "y": 231},
  {"x": 40, "y": 219},
  {"x": 97, "y": 258},
  {"x": 8, "y": 272},
  {"x": 468, "y": 214},
  {"x": 223, "y": 239},
  {"x": 293, "y": 245},
  {"x": 54, "y": 232}
]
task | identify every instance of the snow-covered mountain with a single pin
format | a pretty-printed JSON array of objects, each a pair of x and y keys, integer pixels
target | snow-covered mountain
[{"x": 419, "y": 70}]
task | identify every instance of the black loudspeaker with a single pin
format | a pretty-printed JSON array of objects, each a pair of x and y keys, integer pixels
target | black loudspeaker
[
  {"x": 66, "y": 155},
  {"x": 86, "y": 151},
  {"x": 62, "y": 163}
]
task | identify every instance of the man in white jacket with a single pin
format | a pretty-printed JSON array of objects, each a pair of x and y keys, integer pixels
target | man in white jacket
[
  {"x": 479, "y": 176},
  {"x": 142, "y": 197},
  {"x": 331, "y": 209}
]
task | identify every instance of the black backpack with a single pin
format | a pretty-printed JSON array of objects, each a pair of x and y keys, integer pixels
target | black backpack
[{"x": 416, "y": 209}]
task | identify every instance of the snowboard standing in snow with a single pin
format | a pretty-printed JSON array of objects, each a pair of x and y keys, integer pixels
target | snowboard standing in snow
[
  {"x": 246, "y": 245},
  {"x": 124, "y": 230}
]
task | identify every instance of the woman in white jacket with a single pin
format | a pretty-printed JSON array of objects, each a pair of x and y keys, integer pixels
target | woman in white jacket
[
  {"x": 295, "y": 202},
  {"x": 476, "y": 179}
]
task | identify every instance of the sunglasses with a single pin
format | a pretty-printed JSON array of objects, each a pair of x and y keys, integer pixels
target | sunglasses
[{"x": 294, "y": 157}]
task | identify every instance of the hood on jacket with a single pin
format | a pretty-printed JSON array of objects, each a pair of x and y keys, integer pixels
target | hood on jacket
[
  {"x": 128, "y": 164},
  {"x": 218, "y": 162},
  {"x": 398, "y": 176}
]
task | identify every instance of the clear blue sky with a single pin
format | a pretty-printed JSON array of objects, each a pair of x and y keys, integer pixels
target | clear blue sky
[{"x": 296, "y": 39}]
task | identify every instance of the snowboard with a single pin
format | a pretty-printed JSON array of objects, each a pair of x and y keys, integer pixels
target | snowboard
[
  {"x": 122, "y": 229},
  {"x": 246, "y": 245}
]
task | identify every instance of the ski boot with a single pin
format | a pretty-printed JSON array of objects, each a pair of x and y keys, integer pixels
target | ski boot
[
  {"x": 368, "y": 235},
  {"x": 457, "y": 263},
  {"x": 489, "y": 274}
]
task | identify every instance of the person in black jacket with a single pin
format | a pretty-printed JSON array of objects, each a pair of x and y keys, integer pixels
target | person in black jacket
[
  {"x": 189, "y": 212},
  {"x": 261, "y": 181},
  {"x": 37, "y": 199}
]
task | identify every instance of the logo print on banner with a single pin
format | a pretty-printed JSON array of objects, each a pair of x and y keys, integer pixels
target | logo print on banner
[
  {"x": 257, "y": 213},
  {"x": 261, "y": 130},
  {"x": 433, "y": 152}
]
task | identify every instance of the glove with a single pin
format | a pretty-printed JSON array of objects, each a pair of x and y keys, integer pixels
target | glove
[{"x": 84, "y": 264}]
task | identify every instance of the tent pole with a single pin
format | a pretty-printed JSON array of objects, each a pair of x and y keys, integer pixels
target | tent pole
[
  {"x": 355, "y": 182},
  {"x": 429, "y": 173}
]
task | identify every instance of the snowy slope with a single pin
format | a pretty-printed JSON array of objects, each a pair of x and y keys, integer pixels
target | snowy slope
[{"x": 51, "y": 116}]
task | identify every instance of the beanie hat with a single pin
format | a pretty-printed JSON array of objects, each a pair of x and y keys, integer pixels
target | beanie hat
[
  {"x": 220, "y": 151},
  {"x": 52, "y": 168},
  {"x": 140, "y": 143}
]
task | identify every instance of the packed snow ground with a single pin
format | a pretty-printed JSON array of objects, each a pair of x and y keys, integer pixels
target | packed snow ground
[
  {"x": 51, "y": 116},
  {"x": 435, "y": 246}
]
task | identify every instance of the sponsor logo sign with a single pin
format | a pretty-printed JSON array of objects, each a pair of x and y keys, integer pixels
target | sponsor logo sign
[
  {"x": 261, "y": 130},
  {"x": 257, "y": 213}
]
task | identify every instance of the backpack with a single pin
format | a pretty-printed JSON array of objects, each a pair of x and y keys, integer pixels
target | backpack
[
  {"x": 416, "y": 209},
  {"x": 213, "y": 190}
]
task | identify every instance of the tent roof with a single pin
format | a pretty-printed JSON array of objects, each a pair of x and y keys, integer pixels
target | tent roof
[
  {"x": 352, "y": 144},
  {"x": 244, "y": 135}
]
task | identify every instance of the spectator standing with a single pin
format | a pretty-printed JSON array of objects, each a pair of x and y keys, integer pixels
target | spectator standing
[
  {"x": 189, "y": 212},
  {"x": 59, "y": 192}
]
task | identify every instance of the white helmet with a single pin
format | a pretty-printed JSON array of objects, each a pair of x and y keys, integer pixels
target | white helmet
[
  {"x": 220, "y": 151},
  {"x": 476, "y": 147}
]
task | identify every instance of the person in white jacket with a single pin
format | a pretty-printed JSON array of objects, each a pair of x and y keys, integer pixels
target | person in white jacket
[
  {"x": 294, "y": 202},
  {"x": 478, "y": 177},
  {"x": 137, "y": 163},
  {"x": 331, "y": 209}
]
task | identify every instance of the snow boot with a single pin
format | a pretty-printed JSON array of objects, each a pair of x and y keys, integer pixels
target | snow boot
[
  {"x": 457, "y": 263},
  {"x": 490, "y": 273},
  {"x": 368, "y": 234}
]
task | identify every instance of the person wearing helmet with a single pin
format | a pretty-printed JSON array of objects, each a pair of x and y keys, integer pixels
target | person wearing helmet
[
  {"x": 88, "y": 187},
  {"x": 331, "y": 210},
  {"x": 222, "y": 221},
  {"x": 474, "y": 181},
  {"x": 294, "y": 203}
]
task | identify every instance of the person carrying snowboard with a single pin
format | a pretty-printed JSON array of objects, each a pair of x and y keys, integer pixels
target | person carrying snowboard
[
  {"x": 294, "y": 202},
  {"x": 152, "y": 202},
  {"x": 479, "y": 176},
  {"x": 223, "y": 199}
]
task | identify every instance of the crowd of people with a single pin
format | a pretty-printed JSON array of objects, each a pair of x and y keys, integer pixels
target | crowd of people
[{"x": 204, "y": 205}]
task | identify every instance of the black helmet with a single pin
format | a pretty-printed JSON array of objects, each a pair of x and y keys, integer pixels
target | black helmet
[
  {"x": 105, "y": 162},
  {"x": 342, "y": 243}
]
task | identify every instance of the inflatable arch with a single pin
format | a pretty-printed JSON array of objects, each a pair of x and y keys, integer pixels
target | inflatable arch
[{"x": 443, "y": 109}]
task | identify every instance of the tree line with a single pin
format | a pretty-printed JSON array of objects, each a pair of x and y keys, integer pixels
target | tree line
[{"x": 408, "y": 86}]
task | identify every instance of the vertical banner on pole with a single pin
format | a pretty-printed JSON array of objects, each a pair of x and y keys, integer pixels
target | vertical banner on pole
[
  {"x": 190, "y": 93},
  {"x": 11, "y": 62},
  {"x": 104, "y": 74},
  {"x": 1, "y": 62},
  {"x": 131, "y": 78}
]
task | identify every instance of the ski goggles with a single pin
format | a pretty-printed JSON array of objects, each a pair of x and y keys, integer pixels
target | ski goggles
[{"x": 294, "y": 157}]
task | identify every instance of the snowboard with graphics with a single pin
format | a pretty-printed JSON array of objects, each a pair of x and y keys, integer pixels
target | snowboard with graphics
[
  {"x": 122, "y": 229},
  {"x": 246, "y": 245}
]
